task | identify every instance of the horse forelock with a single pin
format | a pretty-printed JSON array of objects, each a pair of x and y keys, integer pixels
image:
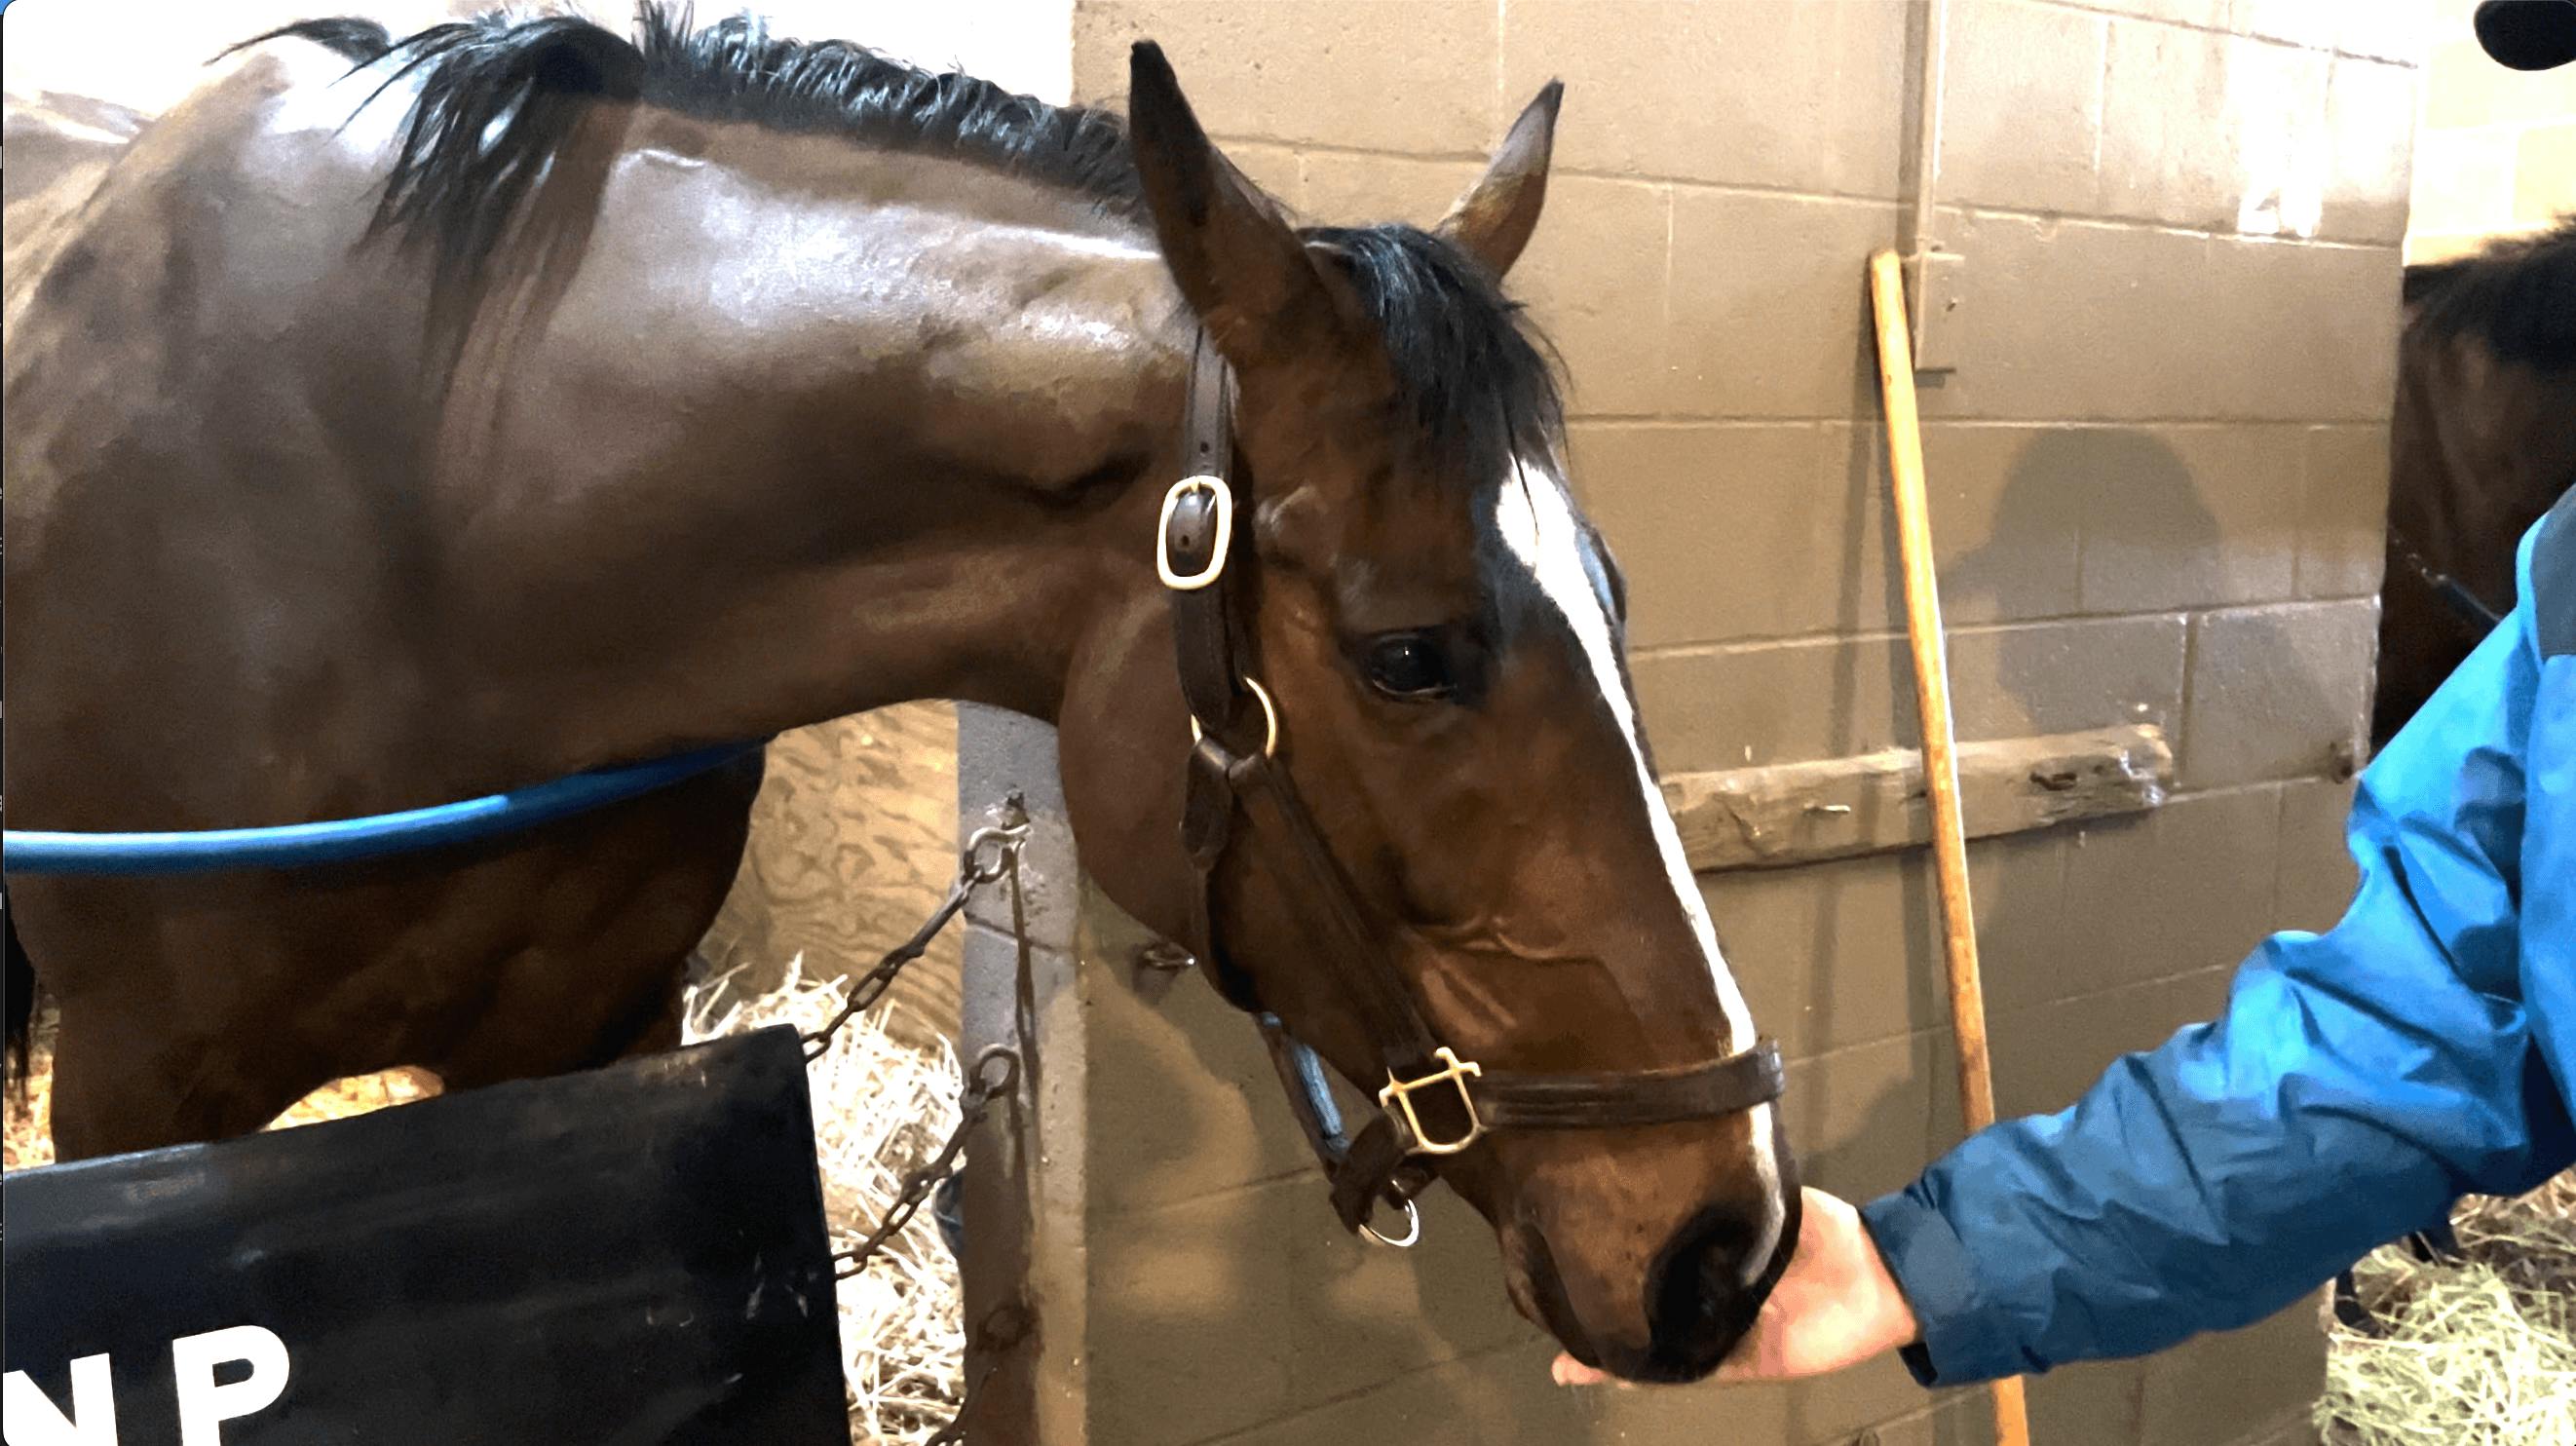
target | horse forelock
[{"x": 1474, "y": 378}]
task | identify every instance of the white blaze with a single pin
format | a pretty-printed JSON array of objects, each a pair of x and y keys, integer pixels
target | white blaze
[{"x": 1538, "y": 524}]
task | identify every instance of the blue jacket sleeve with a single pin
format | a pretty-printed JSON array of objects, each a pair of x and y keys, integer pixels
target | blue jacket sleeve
[{"x": 2359, "y": 1082}]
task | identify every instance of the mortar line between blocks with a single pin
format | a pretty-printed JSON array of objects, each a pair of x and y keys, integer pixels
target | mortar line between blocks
[
  {"x": 1943, "y": 1030},
  {"x": 1222, "y": 1192},
  {"x": 2086, "y": 7},
  {"x": 1309, "y": 1408},
  {"x": 1661, "y": 652},
  {"x": 2099, "y": 219}
]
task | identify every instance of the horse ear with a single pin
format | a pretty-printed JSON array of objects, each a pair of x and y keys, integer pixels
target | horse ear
[
  {"x": 1493, "y": 221},
  {"x": 1239, "y": 263}
]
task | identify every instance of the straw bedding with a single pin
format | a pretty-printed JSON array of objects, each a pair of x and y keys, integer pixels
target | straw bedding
[
  {"x": 2480, "y": 1351},
  {"x": 881, "y": 1106}
]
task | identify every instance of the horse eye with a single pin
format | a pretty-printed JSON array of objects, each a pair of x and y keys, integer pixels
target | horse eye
[{"x": 1409, "y": 666}]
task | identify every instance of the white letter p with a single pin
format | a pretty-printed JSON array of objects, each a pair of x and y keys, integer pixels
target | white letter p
[{"x": 202, "y": 1402}]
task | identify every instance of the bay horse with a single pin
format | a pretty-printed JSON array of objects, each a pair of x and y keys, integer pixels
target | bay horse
[
  {"x": 2482, "y": 444},
  {"x": 401, "y": 421}
]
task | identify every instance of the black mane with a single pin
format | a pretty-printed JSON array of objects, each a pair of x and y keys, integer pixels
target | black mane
[
  {"x": 2518, "y": 296},
  {"x": 499, "y": 98},
  {"x": 732, "y": 70}
]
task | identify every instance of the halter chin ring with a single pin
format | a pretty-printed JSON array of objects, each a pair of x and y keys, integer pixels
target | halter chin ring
[
  {"x": 1453, "y": 1071},
  {"x": 1269, "y": 717},
  {"x": 1412, "y": 1229},
  {"x": 1224, "y": 495}
]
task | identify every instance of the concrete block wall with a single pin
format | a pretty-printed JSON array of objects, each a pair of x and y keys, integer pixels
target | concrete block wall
[
  {"x": 2159, "y": 468},
  {"x": 2497, "y": 150}
]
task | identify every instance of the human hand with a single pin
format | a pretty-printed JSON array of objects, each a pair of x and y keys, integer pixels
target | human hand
[{"x": 1835, "y": 1306}]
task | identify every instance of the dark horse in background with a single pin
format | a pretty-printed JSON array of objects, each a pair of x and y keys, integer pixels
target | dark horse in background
[
  {"x": 397, "y": 422},
  {"x": 2483, "y": 442}
]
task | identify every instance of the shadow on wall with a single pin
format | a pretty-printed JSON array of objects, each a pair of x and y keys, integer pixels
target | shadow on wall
[
  {"x": 2152, "y": 536},
  {"x": 2121, "y": 516}
]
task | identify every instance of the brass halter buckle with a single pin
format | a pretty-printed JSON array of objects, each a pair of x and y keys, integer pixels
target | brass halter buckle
[
  {"x": 1453, "y": 1071},
  {"x": 1224, "y": 506}
]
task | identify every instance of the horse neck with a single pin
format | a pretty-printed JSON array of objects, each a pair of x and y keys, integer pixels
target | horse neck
[
  {"x": 2480, "y": 450},
  {"x": 902, "y": 440}
]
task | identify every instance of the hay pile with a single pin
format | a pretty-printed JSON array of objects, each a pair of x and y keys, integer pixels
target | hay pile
[
  {"x": 881, "y": 1106},
  {"x": 2466, "y": 1353},
  {"x": 28, "y": 1143}
]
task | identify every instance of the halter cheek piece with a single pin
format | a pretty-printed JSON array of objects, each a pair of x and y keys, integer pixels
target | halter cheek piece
[{"x": 1433, "y": 1103}]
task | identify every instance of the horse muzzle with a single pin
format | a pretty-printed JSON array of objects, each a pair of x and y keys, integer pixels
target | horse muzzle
[{"x": 1699, "y": 1296}]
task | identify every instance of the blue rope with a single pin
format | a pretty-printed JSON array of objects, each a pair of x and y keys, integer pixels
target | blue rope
[{"x": 344, "y": 840}]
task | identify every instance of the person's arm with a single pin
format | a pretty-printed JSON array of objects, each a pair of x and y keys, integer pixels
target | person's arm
[{"x": 2359, "y": 1082}]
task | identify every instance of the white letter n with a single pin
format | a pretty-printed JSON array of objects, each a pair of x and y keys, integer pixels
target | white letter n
[{"x": 29, "y": 1417}]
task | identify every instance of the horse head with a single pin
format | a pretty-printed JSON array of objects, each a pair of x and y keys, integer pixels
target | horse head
[{"x": 1422, "y": 655}]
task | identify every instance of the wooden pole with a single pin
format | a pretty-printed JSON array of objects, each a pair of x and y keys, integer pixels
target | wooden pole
[{"x": 1940, "y": 761}]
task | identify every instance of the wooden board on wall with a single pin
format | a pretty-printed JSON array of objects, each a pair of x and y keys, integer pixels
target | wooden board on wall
[{"x": 1831, "y": 808}]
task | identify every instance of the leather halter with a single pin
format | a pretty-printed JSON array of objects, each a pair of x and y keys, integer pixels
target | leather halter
[{"x": 1434, "y": 1103}]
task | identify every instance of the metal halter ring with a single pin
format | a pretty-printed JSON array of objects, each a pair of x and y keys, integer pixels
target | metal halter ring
[
  {"x": 1269, "y": 717},
  {"x": 1192, "y": 582},
  {"x": 1412, "y": 1228}
]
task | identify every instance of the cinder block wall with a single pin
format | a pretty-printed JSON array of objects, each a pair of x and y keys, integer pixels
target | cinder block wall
[
  {"x": 2497, "y": 151},
  {"x": 2158, "y": 468}
]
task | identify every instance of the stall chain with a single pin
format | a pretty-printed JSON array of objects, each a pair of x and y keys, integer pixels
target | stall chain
[{"x": 991, "y": 855}]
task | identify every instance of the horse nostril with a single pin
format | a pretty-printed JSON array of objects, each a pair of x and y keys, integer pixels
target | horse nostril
[
  {"x": 1699, "y": 1253},
  {"x": 1697, "y": 1304}
]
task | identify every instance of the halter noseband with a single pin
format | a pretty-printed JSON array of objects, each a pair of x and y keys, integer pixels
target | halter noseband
[{"x": 1433, "y": 1103}]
